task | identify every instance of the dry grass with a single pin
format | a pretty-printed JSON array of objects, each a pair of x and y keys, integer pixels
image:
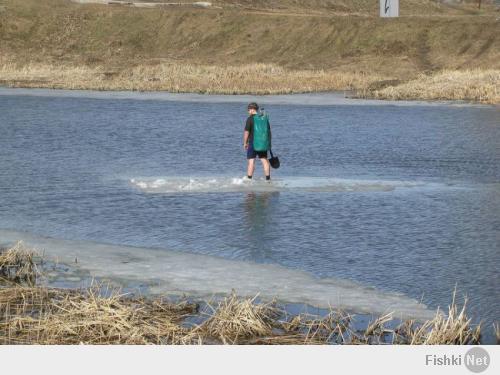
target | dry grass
[
  {"x": 41, "y": 315},
  {"x": 234, "y": 320},
  {"x": 17, "y": 265},
  {"x": 307, "y": 329},
  {"x": 177, "y": 77},
  {"x": 471, "y": 85},
  {"x": 377, "y": 326},
  {"x": 51, "y": 316},
  {"x": 37, "y": 315},
  {"x": 314, "y": 46},
  {"x": 452, "y": 329},
  {"x": 306, "y": 37}
]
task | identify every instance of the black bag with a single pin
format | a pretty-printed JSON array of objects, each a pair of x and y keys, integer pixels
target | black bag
[{"x": 274, "y": 161}]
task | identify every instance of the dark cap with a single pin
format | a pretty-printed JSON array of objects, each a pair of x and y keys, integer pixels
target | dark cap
[{"x": 253, "y": 105}]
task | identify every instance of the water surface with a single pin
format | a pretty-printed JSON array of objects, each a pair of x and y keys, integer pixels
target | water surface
[{"x": 401, "y": 197}]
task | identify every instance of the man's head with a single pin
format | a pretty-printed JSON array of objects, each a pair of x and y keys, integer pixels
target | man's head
[{"x": 253, "y": 108}]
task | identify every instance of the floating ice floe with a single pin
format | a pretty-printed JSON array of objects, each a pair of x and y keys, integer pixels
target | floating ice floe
[{"x": 286, "y": 184}]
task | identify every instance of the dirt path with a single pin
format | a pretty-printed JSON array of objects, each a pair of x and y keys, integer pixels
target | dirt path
[
  {"x": 423, "y": 50},
  {"x": 199, "y": 4},
  {"x": 271, "y": 11}
]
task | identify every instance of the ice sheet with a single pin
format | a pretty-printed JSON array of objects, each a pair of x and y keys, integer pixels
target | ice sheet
[
  {"x": 311, "y": 99},
  {"x": 200, "y": 275}
]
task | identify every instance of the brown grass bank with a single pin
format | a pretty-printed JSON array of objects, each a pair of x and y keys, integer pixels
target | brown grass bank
[
  {"x": 39, "y": 315},
  {"x": 260, "y": 47},
  {"x": 177, "y": 77},
  {"x": 42, "y": 315},
  {"x": 477, "y": 85},
  {"x": 472, "y": 85}
]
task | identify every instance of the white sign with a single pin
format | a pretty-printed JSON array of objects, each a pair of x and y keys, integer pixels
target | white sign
[{"x": 389, "y": 8}]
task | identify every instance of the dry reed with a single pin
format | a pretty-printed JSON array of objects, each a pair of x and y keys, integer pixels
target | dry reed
[
  {"x": 37, "y": 315},
  {"x": 234, "y": 319},
  {"x": 51, "y": 316},
  {"x": 17, "y": 264},
  {"x": 307, "y": 329},
  {"x": 377, "y": 327},
  {"x": 179, "y": 77},
  {"x": 470, "y": 85},
  {"x": 260, "y": 79},
  {"x": 452, "y": 329}
]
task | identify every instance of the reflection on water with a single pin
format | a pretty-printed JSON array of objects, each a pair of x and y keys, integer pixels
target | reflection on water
[{"x": 259, "y": 211}]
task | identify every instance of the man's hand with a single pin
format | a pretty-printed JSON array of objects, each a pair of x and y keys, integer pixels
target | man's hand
[{"x": 246, "y": 136}]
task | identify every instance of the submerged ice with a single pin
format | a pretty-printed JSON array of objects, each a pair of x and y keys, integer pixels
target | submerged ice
[{"x": 235, "y": 184}]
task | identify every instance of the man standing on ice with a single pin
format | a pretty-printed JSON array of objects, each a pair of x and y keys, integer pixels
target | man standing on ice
[{"x": 257, "y": 140}]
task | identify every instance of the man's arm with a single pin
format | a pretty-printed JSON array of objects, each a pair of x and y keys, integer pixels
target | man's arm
[
  {"x": 246, "y": 134},
  {"x": 270, "y": 134}
]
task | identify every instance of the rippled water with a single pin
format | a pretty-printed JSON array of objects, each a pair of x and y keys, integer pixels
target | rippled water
[{"x": 403, "y": 198}]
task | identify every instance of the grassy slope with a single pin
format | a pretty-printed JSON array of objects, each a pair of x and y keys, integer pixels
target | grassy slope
[
  {"x": 285, "y": 33},
  {"x": 360, "y": 7}
]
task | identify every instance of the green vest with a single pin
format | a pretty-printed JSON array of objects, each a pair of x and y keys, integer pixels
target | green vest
[{"x": 261, "y": 136}]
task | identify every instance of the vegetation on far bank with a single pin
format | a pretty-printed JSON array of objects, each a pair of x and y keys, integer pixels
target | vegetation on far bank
[
  {"x": 477, "y": 85},
  {"x": 178, "y": 77},
  {"x": 35, "y": 314}
]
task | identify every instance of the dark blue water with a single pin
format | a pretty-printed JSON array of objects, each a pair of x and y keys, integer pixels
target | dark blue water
[{"x": 66, "y": 165}]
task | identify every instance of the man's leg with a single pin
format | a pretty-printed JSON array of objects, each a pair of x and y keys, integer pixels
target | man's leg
[
  {"x": 267, "y": 168},
  {"x": 250, "y": 167}
]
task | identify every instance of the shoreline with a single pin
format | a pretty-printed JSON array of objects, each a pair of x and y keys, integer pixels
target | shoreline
[
  {"x": 479, "y": 86},
  {"x": 324, "y": 98},
  {"x": 176, "y": 273},
  {"x": 34, "y": 313}
]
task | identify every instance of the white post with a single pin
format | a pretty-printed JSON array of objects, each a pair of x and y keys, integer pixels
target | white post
[{"x": 389, "y": 8}]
